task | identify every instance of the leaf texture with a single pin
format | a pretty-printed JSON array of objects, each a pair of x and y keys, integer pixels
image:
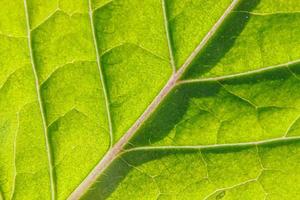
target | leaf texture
[{"x": 153, "y": 99}]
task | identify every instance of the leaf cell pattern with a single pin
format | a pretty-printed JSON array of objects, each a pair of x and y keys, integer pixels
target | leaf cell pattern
[{"x": 153, "y": 99}]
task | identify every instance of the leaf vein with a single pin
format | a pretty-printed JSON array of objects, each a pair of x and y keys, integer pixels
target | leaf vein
[
  {"x": 113, "y": 153},
  {"x": 212, "y": 146},
  {"x": 242, "y": 74},
  {"x": 14, "y": 157},
  {"x": 96, "y": 46},
  {"x": 166, "y": 24},
  {"x": 40, "y": 102}
]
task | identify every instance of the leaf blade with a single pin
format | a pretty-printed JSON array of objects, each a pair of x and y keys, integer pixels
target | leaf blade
[{"x": 102, "y": 63}]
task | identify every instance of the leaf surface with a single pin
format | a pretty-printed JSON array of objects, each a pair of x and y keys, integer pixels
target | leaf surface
[{"x": 168, "y": 99}]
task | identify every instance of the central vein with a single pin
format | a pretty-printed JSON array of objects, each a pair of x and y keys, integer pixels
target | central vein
[{"x": 172, "y": 82}]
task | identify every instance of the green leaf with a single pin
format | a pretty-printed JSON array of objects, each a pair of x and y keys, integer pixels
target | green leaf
[{"x": 152, "y": 99}]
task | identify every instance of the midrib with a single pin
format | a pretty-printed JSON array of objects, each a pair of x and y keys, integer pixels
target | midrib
[{"x": 114, "y": 152}]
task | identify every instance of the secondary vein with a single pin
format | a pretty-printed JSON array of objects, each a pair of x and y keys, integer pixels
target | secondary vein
[
  {"x": 14, "y": 157},
  {"x": 166, "y": 24},
  {"x": 242, "y": 74},
  {"x": 101, "y": 73},
  {"x": 40, "y": 102},
  {"x": 209, "y": 146},
  {"x": 118, "y": 147}
]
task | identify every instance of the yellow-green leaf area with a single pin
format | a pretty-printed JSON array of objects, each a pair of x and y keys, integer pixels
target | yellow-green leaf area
[{"x": 152, "y": 99}]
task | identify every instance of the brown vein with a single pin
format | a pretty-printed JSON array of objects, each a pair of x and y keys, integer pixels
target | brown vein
[{"x": 118, "y": 147}]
